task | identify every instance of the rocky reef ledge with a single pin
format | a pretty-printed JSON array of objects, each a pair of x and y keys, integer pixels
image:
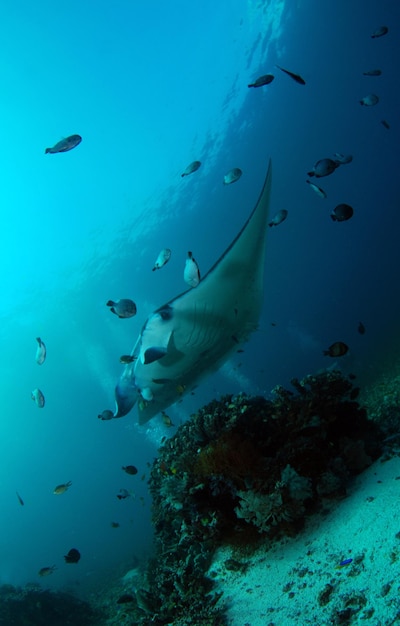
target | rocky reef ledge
[{"x": 245, "y": 469}]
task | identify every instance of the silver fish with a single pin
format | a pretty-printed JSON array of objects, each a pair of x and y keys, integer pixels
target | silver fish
[
  {"x": 191, "y": 274},
  {"x": 191, "y": 336},
  {"x": 370, "y": 100},
  {"x": 320, "y": 192},
  {"x": 162, "y": 259},
  {"x": 40, "y": 352},
  {"x": 124, "y": 307},
  {"x": 38, "y": 397},
  {"x": 232, "y": 176},
  {"x": 278, "y": 218},
  {"x": 192, "y": 167}
]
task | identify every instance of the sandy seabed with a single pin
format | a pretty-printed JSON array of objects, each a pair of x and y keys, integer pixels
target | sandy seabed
[{"x": 300, "y": 581}]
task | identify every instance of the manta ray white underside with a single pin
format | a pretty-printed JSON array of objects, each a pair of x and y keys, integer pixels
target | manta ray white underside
[{"x": 192, "y": 335}]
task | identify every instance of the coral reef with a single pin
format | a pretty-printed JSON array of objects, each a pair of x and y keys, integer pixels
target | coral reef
[{"x": 241, "y": 468}]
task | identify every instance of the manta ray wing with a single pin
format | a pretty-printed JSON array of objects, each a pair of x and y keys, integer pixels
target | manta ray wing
[{"x": 193, "y": 334}]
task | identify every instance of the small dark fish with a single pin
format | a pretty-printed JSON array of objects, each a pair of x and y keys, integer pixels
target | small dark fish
[
  {"x": 372, "y": 73},
  {"x": 385, "y": 124},
  {"x": 60, "y": 489},
  {"x": 352, "y": 376},
  {"x": 323, "y": 167},
  {"x": 65, "y": 144},
  {"x": 162, "y": 381},
  {"x": 114, "y": 525},
  {"x": 361, "y": 328},
  {"x": 240, "y": 350},
  {"x": 192, "y": 167},
  {"x": 125, "y": 598},
  {"x": 343, "y": 159},
  {"x": 266, "y": 79},
  {"x": 278, "y": 218},
  {"x": 73, "y": 556},
  {"x": 130, "y": 469},
  {"x": 166, "y": 419},
  {"x": 124, "y": 307},
  {"x": 20, "y": 500},
  {"x": 342, "y": 212},
  {"x": 339, "y": 348},
  {"x": 106, "y": 415},
  {"x": 235, "y": 339},
  {"x": 379, "y": 32},
  {"x": 127, "y": 358},
  {"x": 123, "y": 493},
  {"x": 354, "y": 393},
  {"x": 295, "y": 77},
  {"x": 46, "y": 571}
]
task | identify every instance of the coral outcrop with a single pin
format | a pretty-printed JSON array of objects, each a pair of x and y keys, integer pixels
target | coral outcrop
[{"x": 241, "y": 468}]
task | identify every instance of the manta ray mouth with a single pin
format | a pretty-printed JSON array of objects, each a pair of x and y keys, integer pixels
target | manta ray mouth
[{"x": 194, "y": 333}]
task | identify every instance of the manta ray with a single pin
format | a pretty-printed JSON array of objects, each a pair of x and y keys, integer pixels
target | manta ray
[{"x": 193, "y": 334}]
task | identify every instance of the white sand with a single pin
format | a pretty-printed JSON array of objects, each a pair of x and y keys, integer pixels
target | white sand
[{"x": 282, "y": 584}]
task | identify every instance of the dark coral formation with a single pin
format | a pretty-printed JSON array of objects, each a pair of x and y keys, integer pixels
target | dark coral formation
[
  {"x": 34, "y": 606},
  {"x": 241, "y": 467}
]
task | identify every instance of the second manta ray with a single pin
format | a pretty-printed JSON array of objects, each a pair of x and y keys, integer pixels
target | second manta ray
[{"x": 192, "y": 335}]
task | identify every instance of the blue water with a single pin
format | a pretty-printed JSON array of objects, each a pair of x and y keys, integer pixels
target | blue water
[{"x": 151, "y": 87}]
